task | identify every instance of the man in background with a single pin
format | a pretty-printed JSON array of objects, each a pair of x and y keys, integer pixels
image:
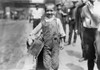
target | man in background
[
  {"x": 61, "y": 15},
  {"x": 72, "y": 24},
  {"x": 37, "y": 14},
  {"x": 90, "y": 24}
]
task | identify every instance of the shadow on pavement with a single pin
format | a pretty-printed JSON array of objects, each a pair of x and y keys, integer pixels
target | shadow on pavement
[
  {"x": 74, "y": 67},
  {"x": 74, "y": 53}
]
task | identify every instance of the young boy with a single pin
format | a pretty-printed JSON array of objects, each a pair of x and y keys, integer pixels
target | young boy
[{"x": 52, "y": 30}]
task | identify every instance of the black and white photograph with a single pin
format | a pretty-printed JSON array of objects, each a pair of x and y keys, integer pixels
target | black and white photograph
[{"x": 49, "y": 34}]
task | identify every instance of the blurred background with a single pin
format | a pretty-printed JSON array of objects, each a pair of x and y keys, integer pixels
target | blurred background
[
  {"x": 14, "y": 30},
  {"x": 19, "y": 9}
]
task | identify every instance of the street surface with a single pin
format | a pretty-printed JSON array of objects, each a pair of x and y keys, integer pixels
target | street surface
[{"x": 13, "y": 51}]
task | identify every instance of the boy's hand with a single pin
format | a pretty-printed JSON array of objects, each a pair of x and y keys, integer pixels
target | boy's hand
[{"x": 31, "y": 39}]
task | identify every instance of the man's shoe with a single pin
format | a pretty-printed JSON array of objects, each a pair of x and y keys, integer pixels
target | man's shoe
[{"x": 82, "y": 59}]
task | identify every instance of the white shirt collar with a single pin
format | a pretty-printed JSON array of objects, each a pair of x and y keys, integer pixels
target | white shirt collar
[{"x": 49, "y": 19}]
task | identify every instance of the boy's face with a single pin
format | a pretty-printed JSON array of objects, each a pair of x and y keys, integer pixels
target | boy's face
[
  {"x": 59, "y": 7},
  {"x": 50, "y": 12}
]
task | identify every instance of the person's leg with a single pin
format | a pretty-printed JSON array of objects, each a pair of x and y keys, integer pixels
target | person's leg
[
  {"x": 63, "y": 39},
  {"x": 39, "y": 59},
  {"x": 64, "y": 26},
  {"x": 75, "y": 37},
  {"x": 84, "y": 45},
  {"x": 91, "y": 57},
  {"x": 29, "y": 20},
  {"x": 70, "y": 34},
  {"x": 90, "y": 64},
  {"x": 75, "y": 34},
  {"x": 81, "y": 34},
  {"x": 88, "y": 47},
  {"x": 84, "y": 52},
  {"x": 55, "y": 59},
  {"x": 92, "y": 50},
  {"x": 55, "y": 54},
  {"x": 47, "y": 59},
  {"x": 98, "y": 64},
  {"x": 97, "y": 47},
  {"x": 36, "y": 22}
]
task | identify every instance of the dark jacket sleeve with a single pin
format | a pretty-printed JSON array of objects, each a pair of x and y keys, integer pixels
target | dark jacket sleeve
[{"x": 78, "y": 18}]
